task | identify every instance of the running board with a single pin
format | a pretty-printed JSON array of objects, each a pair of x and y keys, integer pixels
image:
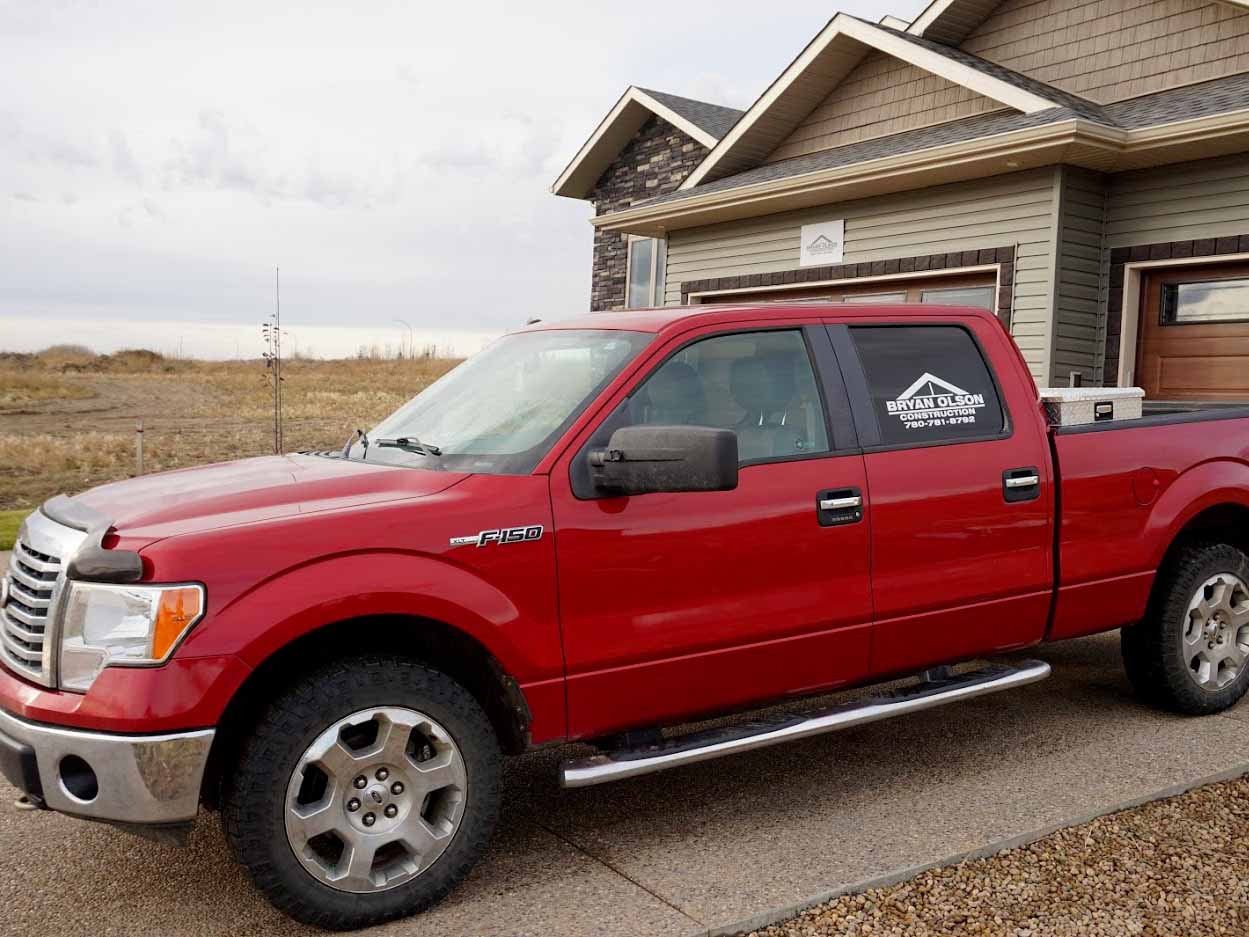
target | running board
[{"x": 713, "y": 743}]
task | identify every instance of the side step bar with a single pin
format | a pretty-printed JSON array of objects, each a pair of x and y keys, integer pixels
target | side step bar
[{"x": 713, "y": 743}]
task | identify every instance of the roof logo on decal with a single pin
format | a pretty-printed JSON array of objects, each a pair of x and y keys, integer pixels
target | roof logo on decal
[{"x": 929, "y": 385}]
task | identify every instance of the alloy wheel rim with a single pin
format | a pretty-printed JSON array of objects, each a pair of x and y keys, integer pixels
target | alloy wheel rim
[
  {"x": 375, "y": 799},
  {"x": 1216, "y": 632}
]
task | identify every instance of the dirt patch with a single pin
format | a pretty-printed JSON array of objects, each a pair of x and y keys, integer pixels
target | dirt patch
[{"x": 1171, "y": 867}]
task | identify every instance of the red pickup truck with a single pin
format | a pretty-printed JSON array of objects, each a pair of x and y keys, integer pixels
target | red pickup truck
[{"x": 590, "y": 531}]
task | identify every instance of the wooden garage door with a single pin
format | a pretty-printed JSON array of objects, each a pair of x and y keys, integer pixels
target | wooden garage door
[
  {"x": 972, "y": 289},
  {"x": 1193, "y": 340}
]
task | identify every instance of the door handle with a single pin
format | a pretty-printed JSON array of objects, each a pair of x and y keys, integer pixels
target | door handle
[
  {"x": 837, "y": 504},
  {"x": 1021, "y": 484},
  {"x": 837, "y": 507},
  {"x": 1023, "y": 481}
]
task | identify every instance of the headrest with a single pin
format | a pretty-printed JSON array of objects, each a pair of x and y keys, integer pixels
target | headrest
[
  {"x": 763, "y": 383},
  {"x": 675, "y": 394}
]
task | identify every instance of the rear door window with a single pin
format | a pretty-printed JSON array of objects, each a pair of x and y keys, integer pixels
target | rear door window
[{"x": 928, "y": 383}]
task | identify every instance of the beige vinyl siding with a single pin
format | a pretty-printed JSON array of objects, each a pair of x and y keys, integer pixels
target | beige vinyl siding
[
  {"x": 959, "y": 20},
  {"x": 882, "y": 96},
  {"x": 1078, "y": 282},
  {"x": 1207, "y": 199},
  {"x": 1111, "y": 50},
  {"x": 1017, "y": 209}
]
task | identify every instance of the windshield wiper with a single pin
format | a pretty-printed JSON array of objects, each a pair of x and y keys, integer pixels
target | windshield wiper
[
  {"x": 410, "y": 444},
  {"x": 351, "y": 441}
]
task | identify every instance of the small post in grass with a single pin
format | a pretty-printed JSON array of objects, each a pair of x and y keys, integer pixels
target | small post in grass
[{"x": 138, "y": 447}]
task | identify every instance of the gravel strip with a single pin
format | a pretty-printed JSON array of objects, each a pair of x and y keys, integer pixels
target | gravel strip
[{"x": 1172, "y": 867}]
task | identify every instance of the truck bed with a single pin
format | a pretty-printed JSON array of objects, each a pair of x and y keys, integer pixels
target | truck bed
[{"x": 1127, "y": 488}]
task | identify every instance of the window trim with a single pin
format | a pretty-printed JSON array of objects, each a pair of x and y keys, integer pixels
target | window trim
[
  {"x": 795, "y": 282},
  {"x": 866, "y": 421},
  {"x": 659, "y": 264},
  {"x": 807, "y": 331}
]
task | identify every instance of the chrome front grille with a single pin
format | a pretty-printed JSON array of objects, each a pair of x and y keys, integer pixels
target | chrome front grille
[
  {"x": 32, "y": 586},
  {"x": 24, "y": 618}
]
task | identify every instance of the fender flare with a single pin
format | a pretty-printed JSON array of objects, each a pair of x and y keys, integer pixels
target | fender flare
[{"x": 1208, "y": 485}]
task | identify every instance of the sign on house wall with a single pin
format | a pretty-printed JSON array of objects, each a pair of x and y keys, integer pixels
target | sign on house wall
[{"x": 823, "y": 243}]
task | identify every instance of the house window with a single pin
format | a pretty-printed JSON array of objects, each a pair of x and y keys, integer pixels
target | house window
[
  {"x": 646, "y": 272},
  {"x": 961, "y": 296},
  {"x": 1211, "y": 301},
  {"x": 869, "y": 298}
]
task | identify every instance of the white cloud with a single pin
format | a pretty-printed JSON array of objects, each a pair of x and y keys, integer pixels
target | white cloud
[{"x": 393, "y": 158}]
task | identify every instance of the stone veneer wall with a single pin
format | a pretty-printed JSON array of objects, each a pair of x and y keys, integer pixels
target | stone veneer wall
[{"x": 655, "y": 162}]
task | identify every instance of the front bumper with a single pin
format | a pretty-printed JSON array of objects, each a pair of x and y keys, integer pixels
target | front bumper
[{"x": 133, "y": 779}]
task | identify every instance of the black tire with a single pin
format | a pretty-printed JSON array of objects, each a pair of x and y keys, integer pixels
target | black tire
[
  {"x": 1153, "y": 650},
  {"x": 254, "y": 797}
]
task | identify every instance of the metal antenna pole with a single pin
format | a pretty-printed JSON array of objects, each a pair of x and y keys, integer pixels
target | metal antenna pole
[{"x": 277, "y": 374}]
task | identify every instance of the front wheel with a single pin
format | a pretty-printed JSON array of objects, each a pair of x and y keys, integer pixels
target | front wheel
[
  {"x": 1191, "y": 653},
  {"x": 366, "y": 793}
]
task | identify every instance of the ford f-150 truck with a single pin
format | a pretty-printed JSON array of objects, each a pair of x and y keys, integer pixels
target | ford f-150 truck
[{"x": 593, "y": 531}]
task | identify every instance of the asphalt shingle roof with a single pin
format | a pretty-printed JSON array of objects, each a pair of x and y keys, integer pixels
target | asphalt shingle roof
[
  {"x": 713, "y": 118},
  {"x": 1222, "y": 95}
]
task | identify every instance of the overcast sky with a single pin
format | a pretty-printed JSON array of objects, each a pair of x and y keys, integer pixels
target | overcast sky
[{"x": 158, "y": 160}]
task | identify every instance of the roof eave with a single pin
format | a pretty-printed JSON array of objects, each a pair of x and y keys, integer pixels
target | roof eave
[
  {"x": 1082, "y": 141},
  {"x": 832, "y": 185}
]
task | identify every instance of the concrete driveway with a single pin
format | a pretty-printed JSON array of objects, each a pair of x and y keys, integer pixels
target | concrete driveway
[{"x": 710, "y": 848}]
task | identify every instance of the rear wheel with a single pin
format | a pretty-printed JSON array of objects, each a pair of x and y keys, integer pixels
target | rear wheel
[
  {"x": 1191, "y": 653},
  {"x": 366, "y": 793}
]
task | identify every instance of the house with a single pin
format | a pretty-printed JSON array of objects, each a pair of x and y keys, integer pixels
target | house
[{"x": 1079, "y": 166}]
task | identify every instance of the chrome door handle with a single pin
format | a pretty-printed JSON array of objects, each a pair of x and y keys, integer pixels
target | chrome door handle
[
  {"x": 840, "y": 504},
  {"x": 1023, "y": 481},
  {"x": 836, "y": 507},
  {"x": 1021, "y": 484}
]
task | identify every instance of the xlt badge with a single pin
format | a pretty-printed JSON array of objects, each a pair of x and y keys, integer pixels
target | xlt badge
[{"x": 503, "y": 535}]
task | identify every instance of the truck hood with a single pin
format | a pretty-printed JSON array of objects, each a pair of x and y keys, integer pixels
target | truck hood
[{"x": 153, "y": 507}]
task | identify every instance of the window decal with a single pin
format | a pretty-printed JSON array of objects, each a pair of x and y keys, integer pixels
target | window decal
[
  {"x": 928, "y": 384},
  {"x": 931, "y": 402}
]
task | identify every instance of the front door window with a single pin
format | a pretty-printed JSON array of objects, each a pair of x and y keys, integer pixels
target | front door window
[{"x": 758, "y": 384}]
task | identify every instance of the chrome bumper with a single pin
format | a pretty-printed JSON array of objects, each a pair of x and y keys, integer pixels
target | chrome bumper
[{"x": 142, "y": 779}]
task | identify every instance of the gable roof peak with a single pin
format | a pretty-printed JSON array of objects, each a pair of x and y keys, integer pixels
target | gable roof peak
[
  {"x": 703, "y": 122},
  {"x": 828, "y": 59},
  {"x": 715, "y": 119}
]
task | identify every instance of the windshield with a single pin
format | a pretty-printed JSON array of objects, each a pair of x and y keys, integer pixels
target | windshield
[{"x": 501, "y": 410}]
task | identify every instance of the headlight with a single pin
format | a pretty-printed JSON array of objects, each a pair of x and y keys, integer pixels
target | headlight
[{"x": 106, "y": 625}]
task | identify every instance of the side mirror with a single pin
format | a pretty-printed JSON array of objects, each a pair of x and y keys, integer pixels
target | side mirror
[{"x": 651, "y": 459}]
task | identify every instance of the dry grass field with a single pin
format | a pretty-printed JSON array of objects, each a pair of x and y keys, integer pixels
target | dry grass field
[{"x": 68, "y": 417}]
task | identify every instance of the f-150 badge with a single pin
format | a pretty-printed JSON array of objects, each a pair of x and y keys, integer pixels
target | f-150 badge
[{"x": 504, "y": 535}]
